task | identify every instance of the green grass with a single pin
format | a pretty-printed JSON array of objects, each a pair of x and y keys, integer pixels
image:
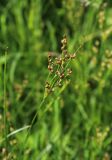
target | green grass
[{"x": 73, "y": 123}]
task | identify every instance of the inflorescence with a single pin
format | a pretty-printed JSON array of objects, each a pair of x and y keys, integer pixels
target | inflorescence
[{"x": 58, "y": 67}]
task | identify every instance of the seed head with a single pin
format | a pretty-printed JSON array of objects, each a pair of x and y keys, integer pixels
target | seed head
[{"x": 58, "y": 66}]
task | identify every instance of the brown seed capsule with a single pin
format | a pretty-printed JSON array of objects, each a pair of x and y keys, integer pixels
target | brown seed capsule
[
  {"x": 69, "y": 71},
  {"x": 47, "y": 85},
  {"x": 67, "y": 56},
  {"x": 64, "y": 41},
  {"x": 62, "y": 76},
  {"x": 49, "y": 60},
  {"x": 73, "y": 56},
  {"x": 58, "y": 73},
  {"x": 59, "y": 61},
  {"x": 52, "y": 71},
  {"x": 65, "y": 51},
  {"x": 49, "y": 55},
  {"x": 50, "y": 67},
  {"x": 63, "y": 47}
]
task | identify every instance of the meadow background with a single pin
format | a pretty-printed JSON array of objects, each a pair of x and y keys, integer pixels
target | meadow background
[{"x": 77, "y": 125}]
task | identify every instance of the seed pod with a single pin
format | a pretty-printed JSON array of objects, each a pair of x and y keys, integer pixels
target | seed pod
[
  {"x": 67, "y": 56},
  {"x": 64, "y": 41},
  {"x": 63, "y": 47},
  {"x": 50, "y": 67},
  {"x": 58, "y": 72},
  {"x": 65, "y": 51},
  {"x": 62, "y": 76},
  {"x": 59, "y": 61},
  {"x": 73, "y": 56},
  {"x": 49, "y": 55},
  {"x": 69, "y": 71},
  {"x": 49, "y": 60},
  {"x": 47, "y": 85}
]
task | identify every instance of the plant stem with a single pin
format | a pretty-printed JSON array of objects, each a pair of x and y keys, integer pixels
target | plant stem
[
  {"x": 4, "y": 103},
  {"x": 31, "y": 125}
]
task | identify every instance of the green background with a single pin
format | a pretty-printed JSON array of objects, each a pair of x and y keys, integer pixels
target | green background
[{"x": 77, "y": 125}]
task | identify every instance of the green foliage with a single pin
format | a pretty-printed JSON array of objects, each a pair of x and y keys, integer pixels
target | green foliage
[{"x": 75, "y": 121}]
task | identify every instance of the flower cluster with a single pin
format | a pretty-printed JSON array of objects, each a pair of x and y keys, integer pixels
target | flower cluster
[{"x": 58, "y": 67}]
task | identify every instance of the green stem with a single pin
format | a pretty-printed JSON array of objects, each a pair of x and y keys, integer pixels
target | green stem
[
  {"x": 31, "y": 125},
  {"x": 4, "y": 105}
]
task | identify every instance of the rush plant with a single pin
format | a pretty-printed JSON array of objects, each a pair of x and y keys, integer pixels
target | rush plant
[{"x": 59, "y": 72}]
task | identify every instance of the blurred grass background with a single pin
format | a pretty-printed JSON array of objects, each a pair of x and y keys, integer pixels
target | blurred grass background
[{"x": 78, "y": 124}]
